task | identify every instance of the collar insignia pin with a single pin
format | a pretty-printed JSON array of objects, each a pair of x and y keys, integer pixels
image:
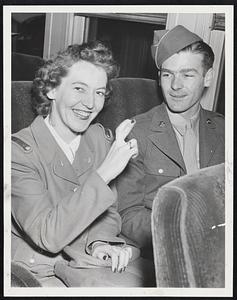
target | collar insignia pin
[{"x": 162, "y": 124}]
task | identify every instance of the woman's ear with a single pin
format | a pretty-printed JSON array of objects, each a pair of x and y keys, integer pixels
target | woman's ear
[
  {"x": 208, "y": 77},
  {"x": 52, "y": 94}
]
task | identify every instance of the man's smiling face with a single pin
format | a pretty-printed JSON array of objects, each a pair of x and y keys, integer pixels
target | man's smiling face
[{"x": 183, "y": 80}]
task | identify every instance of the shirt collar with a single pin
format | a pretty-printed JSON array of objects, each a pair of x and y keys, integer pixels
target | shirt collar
[
  {"x": 69, "y": 149},
  {"x": 179, "y": 122}
]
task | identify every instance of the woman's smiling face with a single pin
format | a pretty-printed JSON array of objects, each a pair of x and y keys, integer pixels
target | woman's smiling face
[{"x": 78, "y": 99}]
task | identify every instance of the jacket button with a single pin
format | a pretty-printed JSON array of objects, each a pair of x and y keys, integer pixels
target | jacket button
[
  {"x": 162, "y": 124},
  {"x": 208, "y": 121},
  {"x": 32, "y": 260},
  {"x": 160, "y": 171},
  {"x": 75, "y": 189}
]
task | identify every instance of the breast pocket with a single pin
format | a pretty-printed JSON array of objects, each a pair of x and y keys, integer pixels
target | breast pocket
[
  {"x": 159, "y": 170},
  {"x": 158, "y": 164}
]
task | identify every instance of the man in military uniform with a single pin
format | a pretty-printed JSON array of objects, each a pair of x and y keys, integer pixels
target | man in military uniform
[{"x": 175, "y": 138}]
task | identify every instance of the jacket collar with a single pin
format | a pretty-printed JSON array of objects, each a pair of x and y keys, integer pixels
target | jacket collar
[
  {"x": 208, "y": 137},
  {"x": 163, "y": 136},
  {"x": 44, "y": 139},
  {"x": 54, "y": 155}
]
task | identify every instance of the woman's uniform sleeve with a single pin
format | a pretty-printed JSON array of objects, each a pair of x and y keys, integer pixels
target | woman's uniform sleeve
[{"x": 107, "y": 227}]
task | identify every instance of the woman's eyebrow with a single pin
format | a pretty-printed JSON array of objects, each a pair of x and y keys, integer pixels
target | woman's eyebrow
[
  {"x": 86, "y": 85},
  {"x": 80, "y": 82}
]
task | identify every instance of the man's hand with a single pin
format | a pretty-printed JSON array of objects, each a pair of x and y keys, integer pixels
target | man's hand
[
  {"x": 119, "y": 255},
  {"x": 120, "y": 152}
]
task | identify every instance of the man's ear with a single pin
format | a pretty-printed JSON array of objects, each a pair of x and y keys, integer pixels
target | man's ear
[
  {"x": 159, "y": 77},
  {"x": 208, "y": 77},
  {"x": 52, "y": 94}
]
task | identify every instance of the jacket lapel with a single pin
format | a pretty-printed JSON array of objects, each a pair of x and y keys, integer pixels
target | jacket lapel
[
  {"x": 83, "y": 161},
  {"x": 63, "y": 168},
  {"x": 84, "y": 158},
  {"x": 208, "y": 138},
  {"x": 51, "y": 152},
  {"x": 163, "y": 136}
]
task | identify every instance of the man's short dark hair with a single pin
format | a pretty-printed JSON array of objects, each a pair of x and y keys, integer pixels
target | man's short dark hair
[{"x": 204, "y": 49}]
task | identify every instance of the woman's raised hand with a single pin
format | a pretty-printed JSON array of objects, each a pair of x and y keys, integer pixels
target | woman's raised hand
[{"x": 119, "y": 153}]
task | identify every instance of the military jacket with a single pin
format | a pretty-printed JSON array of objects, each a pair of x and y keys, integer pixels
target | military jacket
[
  {"x": 160, "y": 161},
  {"x": 56, "y": 205}
]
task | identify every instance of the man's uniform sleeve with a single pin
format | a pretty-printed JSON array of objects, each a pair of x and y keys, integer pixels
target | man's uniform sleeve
[{"x": 136, "y": 216}]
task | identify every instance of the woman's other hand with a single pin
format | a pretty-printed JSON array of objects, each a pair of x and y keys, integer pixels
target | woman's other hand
[
  {"x": 119, "y": 153},
  {"x": 119, "y": 255}
]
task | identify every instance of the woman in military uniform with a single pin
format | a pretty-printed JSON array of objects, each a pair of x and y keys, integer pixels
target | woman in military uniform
[{"x": 64, "y": 208}]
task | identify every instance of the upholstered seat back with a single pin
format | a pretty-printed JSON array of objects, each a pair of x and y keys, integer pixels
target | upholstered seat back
[
  {"x": 21, "y": 277},
  {"x": 130, "y": 96},
  {"x": 188, "y": 230},
  {"x": 24, "y": 66},
  {"x": 21, "y": 111}
]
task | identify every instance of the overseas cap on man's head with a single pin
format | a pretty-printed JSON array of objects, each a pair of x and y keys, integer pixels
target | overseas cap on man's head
[{"x": 168, "y": 42}]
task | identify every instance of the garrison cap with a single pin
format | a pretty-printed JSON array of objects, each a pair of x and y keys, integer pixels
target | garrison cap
[{"x": 168, "y": 42}]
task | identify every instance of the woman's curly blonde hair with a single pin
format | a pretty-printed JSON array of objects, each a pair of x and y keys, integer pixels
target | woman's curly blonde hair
[{"x": 51, "y": 73}]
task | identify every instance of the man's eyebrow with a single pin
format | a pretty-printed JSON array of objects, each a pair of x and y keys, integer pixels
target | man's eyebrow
[
  {"x": 186, "y": 70},
  {"x": 189, "y": 70},
  {"x": 166, "y": 70}
]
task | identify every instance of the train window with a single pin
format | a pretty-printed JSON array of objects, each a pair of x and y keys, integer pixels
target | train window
[
  {"x": 27, "y": 44},
  {"x": 130, "y": 42},
  {"x": 28, "y": 33}
]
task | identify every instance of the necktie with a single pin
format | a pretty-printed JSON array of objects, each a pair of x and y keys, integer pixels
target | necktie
[{"x": 190, "y": 149}]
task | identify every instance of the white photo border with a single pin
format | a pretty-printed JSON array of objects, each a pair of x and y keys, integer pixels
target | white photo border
[{"x": 229, "y": 100}]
